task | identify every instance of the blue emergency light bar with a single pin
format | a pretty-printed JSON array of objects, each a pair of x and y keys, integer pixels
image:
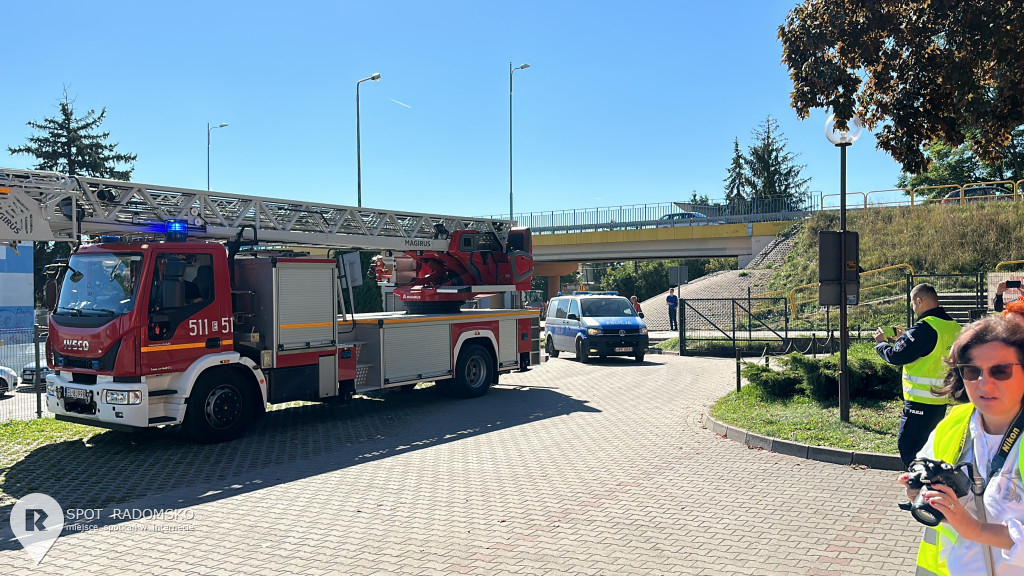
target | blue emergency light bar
[
  {"x": 176, "y": 230},
  {"x": 586, "y": 292}
]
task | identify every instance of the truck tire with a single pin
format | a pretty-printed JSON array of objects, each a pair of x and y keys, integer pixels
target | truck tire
[
  {"x": 552, "y": 351},
  {"x": 4, "y": 387},
  {"x": 473, "y": 373},
  {"x": 582, "y": 354},
  {"x": 639, "y": 357},
  {"x": 219, "y": 409}
]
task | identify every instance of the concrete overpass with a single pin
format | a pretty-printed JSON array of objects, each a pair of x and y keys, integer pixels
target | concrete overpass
[{"x": 558, "y": 254}]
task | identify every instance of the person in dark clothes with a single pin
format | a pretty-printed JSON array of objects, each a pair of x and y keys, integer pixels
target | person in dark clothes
[
  {"x": 921, "y": 351},
  {"x": 672, "y": 302}
]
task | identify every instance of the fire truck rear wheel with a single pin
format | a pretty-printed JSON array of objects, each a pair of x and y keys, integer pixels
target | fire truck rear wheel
[
  {"x": 473, "y": 373},
  {"x": 219, "y": 409}
]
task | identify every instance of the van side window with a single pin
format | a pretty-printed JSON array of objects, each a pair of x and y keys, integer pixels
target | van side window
[
  {"x": 574, "y": 308},
  {"x": 562, "y": 310}
]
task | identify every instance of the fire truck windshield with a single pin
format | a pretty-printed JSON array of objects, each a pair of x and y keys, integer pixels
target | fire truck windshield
[{"x": 99, "y": 285}]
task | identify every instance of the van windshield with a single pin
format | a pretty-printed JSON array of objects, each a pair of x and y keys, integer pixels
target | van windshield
[{"x": 606, "y": 307}]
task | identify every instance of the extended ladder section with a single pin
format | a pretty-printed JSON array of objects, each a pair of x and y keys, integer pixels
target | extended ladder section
[{"x": 48, "y": 206}]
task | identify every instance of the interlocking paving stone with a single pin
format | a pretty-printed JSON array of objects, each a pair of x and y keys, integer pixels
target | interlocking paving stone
[{"x": 566, "y": 469}]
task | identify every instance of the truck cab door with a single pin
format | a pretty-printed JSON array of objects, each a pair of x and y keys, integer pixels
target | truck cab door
[{"x": 185, "y": 318}]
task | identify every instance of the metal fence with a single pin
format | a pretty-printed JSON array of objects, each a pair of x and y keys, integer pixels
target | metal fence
[
  {"x": 761, "y": 209},
  {"x": 792, "y": 320},
  {"x": 756, "y": 324},
  {"x": 640, "y": 216},
  {"x": 731, "y": 320},
  {"x": 21, "y": 398}
]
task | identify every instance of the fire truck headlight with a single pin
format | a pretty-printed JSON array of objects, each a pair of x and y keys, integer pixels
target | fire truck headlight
[
  {"x": 51, "y": 389},
  {"x": 122, "y": 397}
]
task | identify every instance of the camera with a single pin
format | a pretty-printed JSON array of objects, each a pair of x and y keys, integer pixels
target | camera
[
  {"x": 923, "y": 473},
  {"x": 1013, "y": 283}
]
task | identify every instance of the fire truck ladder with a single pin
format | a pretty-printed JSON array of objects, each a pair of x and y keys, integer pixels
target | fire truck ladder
[{"x": 48, "y": 206}]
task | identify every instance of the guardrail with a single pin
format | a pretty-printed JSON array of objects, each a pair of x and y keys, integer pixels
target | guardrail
[
  {"x": 764, "y": 209},
  {"x": 641, "y": 216}
]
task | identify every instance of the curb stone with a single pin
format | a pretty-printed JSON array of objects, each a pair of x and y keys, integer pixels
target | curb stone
[{"x": 819, "y": 453}]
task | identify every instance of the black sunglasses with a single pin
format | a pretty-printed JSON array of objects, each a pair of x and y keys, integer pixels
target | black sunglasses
[{"x": 1001, "y": 372}]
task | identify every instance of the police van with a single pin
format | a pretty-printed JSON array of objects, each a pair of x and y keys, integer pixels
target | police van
[{"x": 594, "y": 324}]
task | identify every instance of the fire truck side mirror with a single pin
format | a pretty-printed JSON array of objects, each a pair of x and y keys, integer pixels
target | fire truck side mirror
[{"x": 51, "y": 294}]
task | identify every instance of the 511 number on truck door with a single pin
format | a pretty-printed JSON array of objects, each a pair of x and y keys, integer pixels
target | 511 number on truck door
[{"x": 205, "y": 326}]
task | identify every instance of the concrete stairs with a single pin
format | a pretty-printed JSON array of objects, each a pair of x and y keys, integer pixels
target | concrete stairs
[{"x": 963, "y": 306}]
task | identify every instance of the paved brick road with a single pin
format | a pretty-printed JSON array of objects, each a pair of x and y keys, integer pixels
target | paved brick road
[{"x": 566, "y": 469}]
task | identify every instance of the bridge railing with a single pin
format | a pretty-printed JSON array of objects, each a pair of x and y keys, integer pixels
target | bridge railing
[
  {"x": 761, "y": 209},
  {"x": 641, "y": 216}
]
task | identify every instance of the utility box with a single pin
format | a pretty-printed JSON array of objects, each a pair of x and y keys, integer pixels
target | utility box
[{"x": 832, "y": 271}]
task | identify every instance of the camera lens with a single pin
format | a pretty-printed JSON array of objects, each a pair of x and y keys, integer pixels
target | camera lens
[{"x": 927, "y": 515}]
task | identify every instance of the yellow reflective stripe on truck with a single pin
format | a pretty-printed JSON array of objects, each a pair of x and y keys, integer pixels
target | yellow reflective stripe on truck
[
  {"x": 183, "y": 346},
  {"x": 312, "y": 325}
]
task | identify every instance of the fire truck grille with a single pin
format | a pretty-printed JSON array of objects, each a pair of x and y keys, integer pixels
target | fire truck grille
[
  {"x": 75, "y": 362},
  {"x": 104, "y": 363}
]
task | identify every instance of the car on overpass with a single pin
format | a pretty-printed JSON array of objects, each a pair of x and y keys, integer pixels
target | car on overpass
[
  {"x": 674, "y": 219},
  {"x": 978, "y": 193}
]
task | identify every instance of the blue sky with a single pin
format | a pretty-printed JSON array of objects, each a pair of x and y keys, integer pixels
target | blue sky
[{"x": 624, "y": 103}]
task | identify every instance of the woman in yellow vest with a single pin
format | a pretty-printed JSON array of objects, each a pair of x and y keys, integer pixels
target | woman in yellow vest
[{"x": 987, "y": 358}]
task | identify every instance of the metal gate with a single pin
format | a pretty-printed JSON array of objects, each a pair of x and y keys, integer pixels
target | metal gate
[
  {"x": 751, "y": 319},
  {"x": 963, "y": 296}
]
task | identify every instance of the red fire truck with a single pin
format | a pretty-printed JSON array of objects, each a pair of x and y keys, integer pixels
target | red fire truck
[{"x": 194, "y": 308}]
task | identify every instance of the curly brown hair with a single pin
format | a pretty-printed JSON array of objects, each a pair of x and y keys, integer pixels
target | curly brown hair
[{"x": 991, "y": 329}]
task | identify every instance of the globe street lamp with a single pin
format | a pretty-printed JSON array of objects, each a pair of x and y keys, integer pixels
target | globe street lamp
[
  {"x": 843, "y": 139},
  {"x": 208, "y": 130},
  {"x": 359, "y": 167},
  {"x": 510, "y": 71}
]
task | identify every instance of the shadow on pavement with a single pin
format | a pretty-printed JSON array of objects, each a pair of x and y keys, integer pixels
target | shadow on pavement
[{"x": 163, "y": 470}]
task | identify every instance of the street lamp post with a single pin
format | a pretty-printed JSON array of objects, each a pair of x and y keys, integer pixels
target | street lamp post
[
  {"x": 359, "y": 166},
  {"x": 843, "y": 139},
  {"x": 208, "y": 130},
  {"x": 510, "y": 71}
]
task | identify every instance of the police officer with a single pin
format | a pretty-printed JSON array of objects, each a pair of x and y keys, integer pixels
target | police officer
[{"x": 922, "y": 352}]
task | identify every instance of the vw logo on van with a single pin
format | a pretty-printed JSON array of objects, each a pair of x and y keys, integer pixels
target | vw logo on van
[{"x": 622, "y": 332}]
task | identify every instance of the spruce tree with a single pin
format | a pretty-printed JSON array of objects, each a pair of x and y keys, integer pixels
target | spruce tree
[
  {"x": 71, "y": 145},
  {"x": 736, "y": 180},
  {"x": 772, "y": 171}
]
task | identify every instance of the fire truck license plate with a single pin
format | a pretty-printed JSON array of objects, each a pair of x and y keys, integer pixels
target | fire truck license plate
[
  {"x": 76, "y": 394},
  {"x": 624, "y": 349}
]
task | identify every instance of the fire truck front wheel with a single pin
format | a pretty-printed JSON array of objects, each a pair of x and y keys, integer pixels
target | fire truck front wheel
[
  {"x": 473, "y": 373},
  {"x": 219, "y": 409}
]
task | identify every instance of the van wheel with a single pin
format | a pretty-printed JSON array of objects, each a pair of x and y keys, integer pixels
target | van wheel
[
  {"x": 639, "y": 357},
  {"x": 551, "y": 348},
  {"x": 219, "y": 409},
  {"x": 472, "y": 373},
  {"x": 582, "y": 354}
]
